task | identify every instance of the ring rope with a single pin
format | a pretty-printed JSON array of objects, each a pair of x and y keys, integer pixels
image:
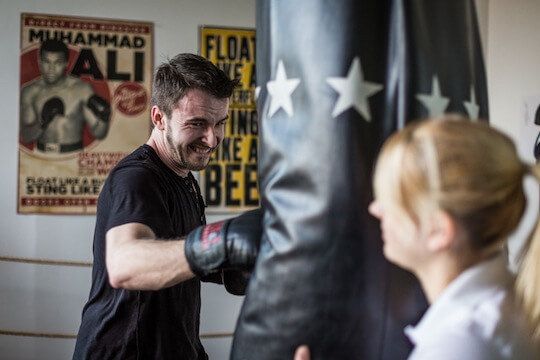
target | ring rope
[
  {"x": 74, "y": 336},
  {"x": 34, "y": 334},
  {"x": 44, "y": 261},
  {"x": 67, "y": 336}
]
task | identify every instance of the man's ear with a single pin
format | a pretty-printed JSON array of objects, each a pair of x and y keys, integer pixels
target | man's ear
[
  {"x": 158, "y": 117},
  {"x": 442, "y": 231}
]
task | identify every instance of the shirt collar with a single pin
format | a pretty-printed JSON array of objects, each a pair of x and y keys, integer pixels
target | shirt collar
[{"x": 469, "y": 288}]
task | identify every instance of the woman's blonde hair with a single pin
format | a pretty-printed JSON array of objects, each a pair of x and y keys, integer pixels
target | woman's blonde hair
[{"x": 471, "y": 171}]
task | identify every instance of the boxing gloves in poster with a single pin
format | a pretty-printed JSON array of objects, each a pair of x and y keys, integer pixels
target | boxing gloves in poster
[
  {"x": 100, "y": 107},
  {"x": 52, "y": 107}
]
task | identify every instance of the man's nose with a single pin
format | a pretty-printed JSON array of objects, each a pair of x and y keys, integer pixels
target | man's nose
[{"x": 210, "y": 137}]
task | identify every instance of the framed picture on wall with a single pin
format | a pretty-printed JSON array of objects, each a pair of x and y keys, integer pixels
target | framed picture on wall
[
  {"x": 229, "y": 182},
  {"x": 85, "y": 87}
]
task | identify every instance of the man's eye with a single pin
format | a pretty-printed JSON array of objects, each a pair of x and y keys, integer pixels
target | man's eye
[{"x": 221, "y": 123}]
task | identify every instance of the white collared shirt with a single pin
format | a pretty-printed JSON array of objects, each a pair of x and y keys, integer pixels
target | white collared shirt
[{"x": 475, "y": 318}]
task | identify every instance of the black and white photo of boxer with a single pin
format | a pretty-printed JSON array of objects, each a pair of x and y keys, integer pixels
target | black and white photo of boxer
[{"x": 56, "y": 106}]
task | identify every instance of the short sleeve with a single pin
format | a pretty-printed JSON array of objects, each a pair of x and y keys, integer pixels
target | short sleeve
[{"x": 136, "y": 196}]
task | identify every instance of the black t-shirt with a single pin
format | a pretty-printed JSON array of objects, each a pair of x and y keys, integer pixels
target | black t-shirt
[{"x": 127, "y": 324}]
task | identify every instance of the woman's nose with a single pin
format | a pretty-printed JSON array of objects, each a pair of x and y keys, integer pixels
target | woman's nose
[{"x": 375, "y": 209}]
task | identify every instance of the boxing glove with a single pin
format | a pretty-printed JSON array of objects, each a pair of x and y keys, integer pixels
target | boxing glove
[
  {"x": 236, "y": 281},
  {"x": 227, "y": 244},
  {"x": 52, "y": 107},
  {"x": 100, "y": 107}
]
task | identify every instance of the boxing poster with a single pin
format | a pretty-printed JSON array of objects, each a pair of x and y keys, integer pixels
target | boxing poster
[
  {"x": 85, "y": 88},
  {"x": 229, "y": 182}
]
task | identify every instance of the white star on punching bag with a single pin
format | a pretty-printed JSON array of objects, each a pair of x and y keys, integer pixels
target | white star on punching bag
[
  {"x": 472, "y": 106},
  {"x": 280, "y": 90},
  {"x": 435, "y": 103},
  {"x": 353, "y": 91}
]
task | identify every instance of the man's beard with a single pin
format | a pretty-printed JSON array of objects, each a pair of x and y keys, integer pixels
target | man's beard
[{"x": 182, "y": 157}]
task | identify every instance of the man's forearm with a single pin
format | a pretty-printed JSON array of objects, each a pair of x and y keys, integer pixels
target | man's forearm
[{"x": 139, "y": 263}]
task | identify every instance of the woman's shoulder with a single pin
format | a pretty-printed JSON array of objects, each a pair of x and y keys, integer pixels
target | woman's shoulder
[{"x": 499, "y": 324}]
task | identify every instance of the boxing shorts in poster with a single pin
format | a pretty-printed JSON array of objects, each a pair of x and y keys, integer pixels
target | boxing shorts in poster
[
  {"x": 230, "y": 181},
  {"x": 85, "y": 88}
]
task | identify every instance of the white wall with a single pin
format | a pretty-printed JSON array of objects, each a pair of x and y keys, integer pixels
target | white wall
[
  {"x": 49, "y": 299},
  {"x": 513, "y": 69},
  {"x": 41, "y": 298},
  {"x": 513, "y": 66}
]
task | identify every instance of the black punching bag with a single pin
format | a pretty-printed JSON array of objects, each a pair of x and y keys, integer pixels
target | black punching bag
[{"x": 336, "y": 78}]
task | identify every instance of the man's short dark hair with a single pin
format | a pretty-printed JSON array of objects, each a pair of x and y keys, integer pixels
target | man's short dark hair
[
  {"x": 184, "y": 72},
  {"x": 53, "y": 45}
]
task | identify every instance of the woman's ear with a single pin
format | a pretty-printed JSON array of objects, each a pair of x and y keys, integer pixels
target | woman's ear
[
  {"x": 158, "y": 118},
  {"x": 442, "y": 231}
]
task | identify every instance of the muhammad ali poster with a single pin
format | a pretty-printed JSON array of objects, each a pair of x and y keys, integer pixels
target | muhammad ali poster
[
  {"x": 229, "y": 182},
  {"x": 85, "y": 87}
]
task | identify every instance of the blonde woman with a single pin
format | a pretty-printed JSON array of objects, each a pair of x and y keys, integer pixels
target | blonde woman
[{"x": 448, "y": 192}]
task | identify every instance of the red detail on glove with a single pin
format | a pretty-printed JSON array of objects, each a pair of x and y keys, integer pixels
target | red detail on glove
[{"x": 211, "y": 235}]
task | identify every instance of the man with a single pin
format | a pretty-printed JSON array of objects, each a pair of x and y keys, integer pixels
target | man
[
  {"x": 144, "y": 302},
  {"x": 56, "y": 107}
]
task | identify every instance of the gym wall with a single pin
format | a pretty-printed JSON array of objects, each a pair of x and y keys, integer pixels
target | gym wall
[
  {"x": 48, "y": 299},
  {"x": 41, "y": 304}
]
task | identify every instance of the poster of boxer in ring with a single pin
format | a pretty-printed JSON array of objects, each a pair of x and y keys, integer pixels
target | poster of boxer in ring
[
  {"x": 85, "y": 88},
  {"x": 229, "y": 182}
]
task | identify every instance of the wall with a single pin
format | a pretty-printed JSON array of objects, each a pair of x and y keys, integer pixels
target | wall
[
  {"x": 42, "y": 298},
  {"x": 49, "y": 299},
  {"x": 513, "y": 77}
]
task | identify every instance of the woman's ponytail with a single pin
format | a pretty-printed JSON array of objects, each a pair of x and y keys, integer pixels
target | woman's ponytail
[{"x": 528, "y": 277}]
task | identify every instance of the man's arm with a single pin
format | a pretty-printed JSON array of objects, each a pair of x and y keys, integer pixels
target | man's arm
[{"x": 136, "y": 260}]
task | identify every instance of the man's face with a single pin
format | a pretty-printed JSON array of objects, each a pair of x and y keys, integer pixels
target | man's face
[
  {"x": 195, "y": 129},
  {"x": 52, "y": 66}
]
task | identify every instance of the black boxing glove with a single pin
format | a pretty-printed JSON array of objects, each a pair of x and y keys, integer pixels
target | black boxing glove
[
  {"x": 52, "y": 107},
  {"x": 228, "y": 244},
  {"x": 236, "y": 281},
  {"x": 100, "y": 107}
]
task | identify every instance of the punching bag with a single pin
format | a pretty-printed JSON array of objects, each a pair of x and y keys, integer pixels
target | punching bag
[{"x": 336, "y": 78}]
